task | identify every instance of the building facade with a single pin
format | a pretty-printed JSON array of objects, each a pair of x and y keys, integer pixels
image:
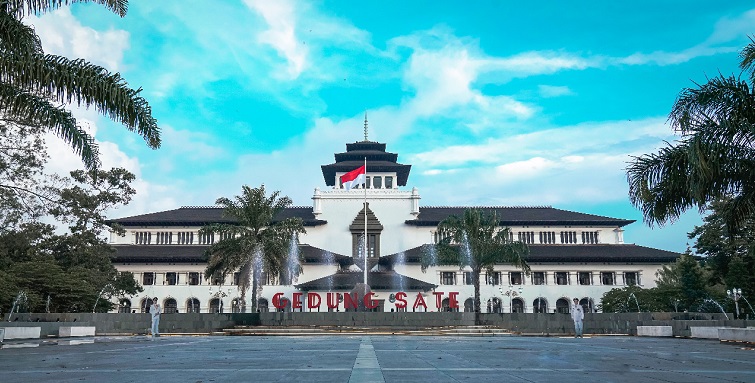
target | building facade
[{"x": 572, "y": 254}]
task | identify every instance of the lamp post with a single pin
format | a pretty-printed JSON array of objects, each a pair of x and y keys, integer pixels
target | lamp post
[{"x": 735, "y": 294}]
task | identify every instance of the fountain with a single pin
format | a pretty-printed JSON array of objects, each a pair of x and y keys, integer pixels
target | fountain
[
  {"x": 107, "y": 286},
  {"x": 711, "y": 300},
  {"x": 466, "y": 250},
  {"x": 258, "y": 265},
  {"x": 631, "y": 295},
  {"x": 748, "y": 304},
  {"x": 292, "y": 260},
  {"x": 20, "y": 300},
  {"x": 400, "y": 260}
]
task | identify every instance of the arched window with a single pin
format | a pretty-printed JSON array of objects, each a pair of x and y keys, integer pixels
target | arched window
[
  {"x": 192, "y": 305},
  {"x": 446, "y": 306},
  {"x": 517, "y": 305},
  {"x": 495, "y": 306},
  {"x": 146, "y": 302},
  {"x": 216, "y": 305},
  {"x": 262, "y": 306},
  {"x": 540, "y": 305},
  {"x": 171, "y": 306},
  {"x": 562, "y": 306},
  {"x": 236, "y": 305},
  {"x": 124, "y": 306},
  {"x": 587, "y": 305},
  {"x": 469, "y": 305}
]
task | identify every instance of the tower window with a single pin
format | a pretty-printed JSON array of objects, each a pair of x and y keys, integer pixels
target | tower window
[
  {"x": 377, "y": 182},
  {"x": 388, "y": 182}
]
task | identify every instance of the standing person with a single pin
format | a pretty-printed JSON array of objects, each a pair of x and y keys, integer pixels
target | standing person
[
  {"x": 154, "y": 309},
  {"x": 578, "y": 315}
]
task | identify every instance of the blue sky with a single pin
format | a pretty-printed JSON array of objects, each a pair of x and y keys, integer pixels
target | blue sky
[{"x": 491, "y": 102}]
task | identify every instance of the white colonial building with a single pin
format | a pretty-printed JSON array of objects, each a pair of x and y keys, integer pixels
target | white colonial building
[{"x": 571, "y": 254}]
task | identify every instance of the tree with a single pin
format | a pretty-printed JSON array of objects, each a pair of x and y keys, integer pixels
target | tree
[
  {"x": 684, "y": 280},
  {"x": 256, "y": 241},
  {"x": 35, "y": 86},
  {"x": 476, "y": 241},
  {"x": 713, "y": 159},
  {"x": 75, "y": 268},
  {"x": 727, "y": 253}
]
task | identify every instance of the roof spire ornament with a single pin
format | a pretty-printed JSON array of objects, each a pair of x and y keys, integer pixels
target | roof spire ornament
[{"x": 365, "y": 127}]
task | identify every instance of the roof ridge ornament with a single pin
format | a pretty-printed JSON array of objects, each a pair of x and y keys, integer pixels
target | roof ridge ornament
[{"x": 365, "y": 127}]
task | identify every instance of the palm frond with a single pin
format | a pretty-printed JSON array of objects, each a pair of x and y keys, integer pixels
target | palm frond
[
  {"x": 18, "y": 37},
  {"x": 78, "y": 82},
  {"x": 747, "y": 59},
  {"x": 29, "y": 109},
  {"x": 21, "y": 8}
]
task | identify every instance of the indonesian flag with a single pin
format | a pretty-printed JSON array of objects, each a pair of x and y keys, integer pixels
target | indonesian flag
[{"x": 353, "y": 178}]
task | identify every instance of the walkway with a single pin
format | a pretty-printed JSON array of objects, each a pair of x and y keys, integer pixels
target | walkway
[{"x": 378, "y": 359}]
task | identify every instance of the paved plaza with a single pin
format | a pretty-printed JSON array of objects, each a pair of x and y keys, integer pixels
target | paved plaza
[{"x": 377, "y": 359}]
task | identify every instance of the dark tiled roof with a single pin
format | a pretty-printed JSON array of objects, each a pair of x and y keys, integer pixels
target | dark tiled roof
[
  {"x": 387, "y": 280},
  {"x": 202, "y": 215},
  {"x": 195, "y": 253},
  {"x": 565, "y": 253},
  {"x": 378, "y": 160},
  {"x": 515, "y": 216},
  {"x": 160, "y": 253}
]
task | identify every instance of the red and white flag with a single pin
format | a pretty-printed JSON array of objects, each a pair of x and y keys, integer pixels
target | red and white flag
[{"x": 353, "y": 178}]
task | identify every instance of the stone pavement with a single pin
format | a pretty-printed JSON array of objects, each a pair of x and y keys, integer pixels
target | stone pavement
[{"x": 377, "y": 359}]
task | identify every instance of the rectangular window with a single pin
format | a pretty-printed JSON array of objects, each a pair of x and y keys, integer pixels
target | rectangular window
[
  {"x": 148, "y": 279},
  {"x": 562, "y": 278},
  {"x": 171, "y": 278},
  {"x": 194, "y": 278},
  {"x": 584, "y": 278},
  {"x": 367, "y": 181},
  {"x": 143, "y": 238},
  {"x": 538, "y": 278},
  {"x": 607, "y": 278},
  {"x": 516, "y": 278},
  {"x": 185, "y": 237},
  {"x": 494, "y": 279},
  {"x": 388, "y": 182},
  {"x": 217, "y": 280},
  {"x": 447, "y": 278},
  {"x": 206, "y": 238},
  {"x": 468, "y": 278},
  {"x": 377, "y": 182},
  {"x": 548, "y": 237},
  {"x": 236, "y": 278},
  {"x": 630, "y": 279},
  {"x": 568, "y": 237},
  {"x": 590, "y": 237},
  {"x": 527, "y": 237}
]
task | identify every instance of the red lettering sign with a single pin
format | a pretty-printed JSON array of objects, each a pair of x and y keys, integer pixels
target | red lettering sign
[
  {"x": 350, "y": 301},
  {"x": 368, "y": 302},
  {"x": 313, "y": 300},
  {"x": 400, "y": 301},
  {"x": 419, "y": 301},
  {"x": 332, "y": 300},
  {"x": 296, "y": 304},
  {"x": 452, "y": 301},
  {"x": 277, "y": 301},
  {"x": 438, "y": 299}
]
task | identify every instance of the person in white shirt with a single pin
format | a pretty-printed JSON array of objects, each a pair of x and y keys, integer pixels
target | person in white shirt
[
  {"x": 154, "y": 309},
  {"x": 578, "y": 315}
]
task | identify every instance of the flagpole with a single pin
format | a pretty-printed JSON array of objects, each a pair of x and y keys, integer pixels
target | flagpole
[{"x": 365, "y": 221}]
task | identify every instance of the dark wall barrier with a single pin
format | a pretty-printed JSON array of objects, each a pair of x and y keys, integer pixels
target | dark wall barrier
[{"x": 525, "y": 323}]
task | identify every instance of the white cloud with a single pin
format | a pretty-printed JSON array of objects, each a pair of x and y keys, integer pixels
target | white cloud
[
  {"x": 548, "y": 91},
  {"x": 281, "y": 34},
  {"x": 62, "y": 34}
]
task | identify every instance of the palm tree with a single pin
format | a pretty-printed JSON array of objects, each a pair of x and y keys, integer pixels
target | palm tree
[
  {"x": 256, "y": 241},
  {"x": 35, "y": 87},
  {"x": 713, "y": 159},
  {"x": 476, "y": 241}
]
